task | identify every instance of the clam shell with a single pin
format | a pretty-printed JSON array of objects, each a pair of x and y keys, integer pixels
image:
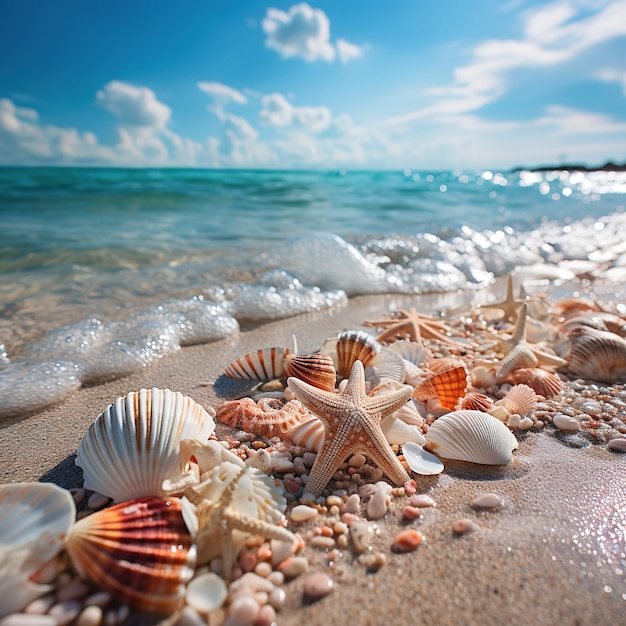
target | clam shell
[
  {"x": 596, "y": 355},
  {"x": 34, "y": 519},
  {"x": 264, "y": 364},
  {"x": 448, "y": 386},
  {"x": 134, "y": 445},
  {"x": 474, "y": 401},
  {"x": 139, "y": 550},
  {"x": 316, "y": 369},
  {"x": 544, "y": 383},
  {"x": 398, "y": 432},
  {"x": 520, "y": 399},
  {"x": 471, "y": 436},
  {"x": 350, "y": 346}
]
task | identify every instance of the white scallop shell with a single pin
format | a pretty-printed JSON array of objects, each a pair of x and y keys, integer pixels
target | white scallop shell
[
  {"x": 134, "y": 445},
  {"x": 411, "y": 351},
  {"x": 471, "y": 436},
  {"x": 420, "y": 461},
  {"x": 34, "y": 519}
]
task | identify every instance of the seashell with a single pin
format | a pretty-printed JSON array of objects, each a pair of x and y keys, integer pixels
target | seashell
[
  {"x": 482, "y": 377},
  {"x": 398, "y": 432},
  {"x": 264, "y": 364},
  {"x": 134, "y": 445},
  {"x": 413, "y": 375},
  {"x": 269, "y": 417},
  {"x": 471, "y": 436},
  {"x": 350, "y": 346},
  {"x": 34, "y": 519},
  {"x": 420, "y": 461},
  {"x": 316, "y": 369},
  {"x": 599, "y": 320},
  {"x": 443, "y": 364},
  {"x": 596, "y": 355},
  {"x": 448, "y": 386},
  {"x": 140, "y": 551},
  {"x": 206, "y": 592},
  {"x": 308, "y": 434},
  {"x": 520, "y": 399},
  {"x": 411, "y": 351},
  {"x": 541, "y": 381},
  {"x": 474, "y": 401}
]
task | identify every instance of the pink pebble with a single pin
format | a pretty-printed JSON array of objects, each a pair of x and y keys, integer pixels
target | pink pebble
[
  {"x": 407, "y": 541},
  {"x": 411, "y": 513},
  {"x": 410, "y": 487},
  {"x": 317, "y": 586}
]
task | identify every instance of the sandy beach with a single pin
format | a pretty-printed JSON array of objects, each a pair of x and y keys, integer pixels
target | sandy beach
[{"x": 554, "y": 554}]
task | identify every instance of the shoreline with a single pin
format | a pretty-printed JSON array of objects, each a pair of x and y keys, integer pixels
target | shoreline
[{"x": 524, "y": 564}]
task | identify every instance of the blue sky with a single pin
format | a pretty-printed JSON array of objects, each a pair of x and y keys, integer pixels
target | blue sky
[{"x": 349, "y": 84}]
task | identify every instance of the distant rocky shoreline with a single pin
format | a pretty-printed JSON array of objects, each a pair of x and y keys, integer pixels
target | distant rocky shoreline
[{"x": 609, "y": 166}]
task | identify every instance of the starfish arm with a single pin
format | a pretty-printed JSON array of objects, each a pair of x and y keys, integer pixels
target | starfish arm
[
  {"x": 548, "y": 360},
  {"x": 520, "y": 356},
  {"x": 355, "y": 387},
  {"x": 323, "y": 403},
  {"x": 384, "y": 458},
  {"x": 520, "y": 326},
  {"x": 405, "y": 327}
]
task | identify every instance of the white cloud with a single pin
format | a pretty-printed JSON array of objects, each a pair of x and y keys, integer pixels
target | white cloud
[
  {"x": 348, "y": 51},
  {"x": 278, "y": 111},
  {"x": 134, "y": 106},
  {"x": 222, "y": 96},
  {"x": 575, "y": 122},
  {"x": 614, "y": 76},
  {"x": 302, "y": 31}
]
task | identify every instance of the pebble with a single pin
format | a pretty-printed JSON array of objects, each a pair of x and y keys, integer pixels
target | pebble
[
  {"x": 277, "y": 598},
  {"x": 90, "y": 616},
  {"x": 411, "y": 512},
  {"x": 407, "y": 541},
  {"x": 263, "y": 569},
  {"x": 357, "y": 460},
  {"x": 282, "y": 465},
  {"x": 207, "y": 592},
  {"x": 526, "y": 423},
  {"x": 421, "y": 500},
  {"x": 66, "y": 612},
  {"x": 266, "y": 616},
  {"x": 40, "y": 606},
  {"x": 309, "y": 458},
  {"x": 317, "y": 586},
  {"x": 276, "y": 578},
  {"x": 78, "y": 495},
  {"x": 463, "y": 526},
  {"x": 563, "y": 422},
  {"x": 617, "y": 445},
  {"x": 487, "y": 501},
  {"x": 372, "y": 560},
  {"x": 22, "y": 619},
  {"x": 243, "y": 611},
  {"x": 352, "y": 504},
  {"x": 302, "y": 513},
  {"x": 280, "y": 551},
  {"x": 361, "y": 534},
  {"x": 326, "y": 543},
  {"x": 294, "y": 566},
  {"x": 377, "y": 504},
  {"x": 74, "y": 590},
  {"x": 97, "y": 501}
]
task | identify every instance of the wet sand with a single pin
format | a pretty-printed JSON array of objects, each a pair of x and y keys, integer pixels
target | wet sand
[{"x": 554, "y": 554}]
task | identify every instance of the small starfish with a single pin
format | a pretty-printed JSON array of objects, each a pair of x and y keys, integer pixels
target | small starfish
[
  {"x": 520, "y": 353},
  {"x": 411, "y": 324},
  {"x": 351, "y": 424},
  {"x": 509, "y": 305}
]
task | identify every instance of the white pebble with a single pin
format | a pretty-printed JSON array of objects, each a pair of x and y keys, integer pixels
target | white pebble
[
  {"x": 352, "y": 504},
  {"x": 421, "y": 500},
  {"x": 277, "y": 598},
  {"x": 302, "y": 513},
  {"x": 250, "y": 582},
  {"x": 377, "y": 504},
  {"x": 487, "y": 501},
  {"x": 282, "y": 465},
  {"x": 276, "y": 578},
  {"x": 281, "y": 550},
  {"x": 266, "y": 616},
  {"x": 243, "y": 611},
  {"x": 40, "y": 606},
  {"x": 206, "y": 592},
  {"x": 90, "y": 616},
  {"x": 66, "y": 612},
  {"x": 565, "y": 423},
  {"x": 526, "y": 423},
  {"x": 294, "y": 566},
  {"x": 263, "y": 568},
  {"x": 22, "y": 619}
]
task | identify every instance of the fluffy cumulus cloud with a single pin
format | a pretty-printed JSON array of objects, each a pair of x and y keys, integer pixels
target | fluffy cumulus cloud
[
  {"x": 222, "y": 95},
  {"x": 133, "y": 106},
  {"x": 304, "y": 32},
  {"x": 276, "y": 110}
]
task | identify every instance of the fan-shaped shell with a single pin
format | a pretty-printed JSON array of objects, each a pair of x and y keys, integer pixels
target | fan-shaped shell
[
  {"x": 316, "y": 369},
  {"x": 596, "y": 355},
  {"x": 520, "y": 399},
  {"x": 411, "y": 351},
  {"x": 34, "y": 519},
  {"x": 474, "y": 401},
  {"x": 264, "y": 364},
  {"x": 482, "y": 377},
  {"x": 542, "y": 382},
  {"x": 139, "y": 550},
  {"x": 448, "y": 386},
  {"x": 134, "y": 445},
  {"x": 350, "y": 346},
  {"x": 308, "y": 434},
  {"x": 471, "y": 436}
]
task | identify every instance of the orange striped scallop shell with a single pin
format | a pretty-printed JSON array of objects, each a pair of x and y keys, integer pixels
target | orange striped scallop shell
[
  {"x": 140, "y": 551},
  {"x": 474, "y": 401},
  {"x": 316, "y": 369},
  {"x": 448, "y": 386},
  {"x": 544, "y": 383}
]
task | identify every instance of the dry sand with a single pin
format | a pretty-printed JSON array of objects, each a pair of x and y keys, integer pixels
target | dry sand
[{"x": 555, "y": 554}]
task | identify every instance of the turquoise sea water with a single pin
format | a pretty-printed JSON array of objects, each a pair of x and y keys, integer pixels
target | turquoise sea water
[{"x": 106, "y": 254}]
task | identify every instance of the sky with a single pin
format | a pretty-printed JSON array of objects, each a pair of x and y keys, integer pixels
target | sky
[{"x": 350, "y": 84}]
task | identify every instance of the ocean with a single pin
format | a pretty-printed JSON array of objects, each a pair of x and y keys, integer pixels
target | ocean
[{"x": 104, "y": 270}]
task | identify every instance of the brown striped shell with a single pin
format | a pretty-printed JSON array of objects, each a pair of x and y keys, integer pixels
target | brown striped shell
[
  {"x": 264, "y": 364},
  {"x": 316, "y": 369},
  {"x": 448, "y": 386},
  {"x": 355, "y": 345},
  {"x": 596, "y": 355},
  {"x": 269, "y": 417},
  {"x": 474, "y": 401},
  {"x": 139, "y": 550},
  {"x": 544, "y": 383}
]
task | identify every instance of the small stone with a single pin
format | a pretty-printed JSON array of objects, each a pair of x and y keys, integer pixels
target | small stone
[
  {"x": 74, "y": 590},
  {"x": 294, "y": 566},
  {"x": 411, "y": 513},
  {"x": 22, "y": 619},
  {"x": 317, "y": 586},
  {"x": 266, "y": 616},
  {"x": 250, "y": 582},
  {"x": 565, "y": 423},
  {"x": 206, "y": 592},
  {"x": 97, "y": 501},
  {"x": 263, "y": 569},
  {"x": 325, "y": 543},
  {"x": 90, "y": 616},
  {"x": 372, "y": 560},
  {"x": 40, "y": 606},
  {"x": 281, "y": 550},
  {"x": 407, "y": 541},
  {"x": 309, "y": 458},
  {"x": 243, "y": 611},
  {"x": 66, "y": 612},
  {"x": 526, "y": 423},
  {"x": 352, "y": 504},
  {"x": 488, "y": 501},
  {"x": 617, "y": 445},
  {"x": 421, "y": 500},
  {"x": 333, "y": 501},
  {"x": 282, "y": 465},
  {"x": 189, "y": 617},
  {"x": 302, "y": 513},
  {"x": 463, "y": 526},
  {"x": 357, "y": 460},
  {"x": 276, "y": 578},
  {"x": 377, "y": 504},
  {"x": 277, "y": 598},
  {"x": 361, "y": 534}
]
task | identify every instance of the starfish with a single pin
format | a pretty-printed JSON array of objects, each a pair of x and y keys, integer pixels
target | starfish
[
  {"x": 520, "y": 353},
  {"x": 412, "y": 324},
  {"x": 509, "y": 305},
  {"x": 351, "y": 424}
]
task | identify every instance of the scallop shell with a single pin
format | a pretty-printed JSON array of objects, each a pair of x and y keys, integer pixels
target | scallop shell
[
  {"x": 140, "y": 551},
  {"x": 448, "y": 386},
  {"x": 264, "y": 364},
  {"x": 308, "y": 434},
  {"x": 596, "y": 355},
  {"x": 520, "y": 399},
  {"x": 471, "y": 436},
  {"x": 541, "y": 381},
  {"x": 34, "y": 519},
  {"x": 316, "y": 369},
  {"x": 350, "y": 346},
  {"x": 134, "y": 445},
  {"x": 411, "y": 351},
  {"x": 474, "y": 401}
]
